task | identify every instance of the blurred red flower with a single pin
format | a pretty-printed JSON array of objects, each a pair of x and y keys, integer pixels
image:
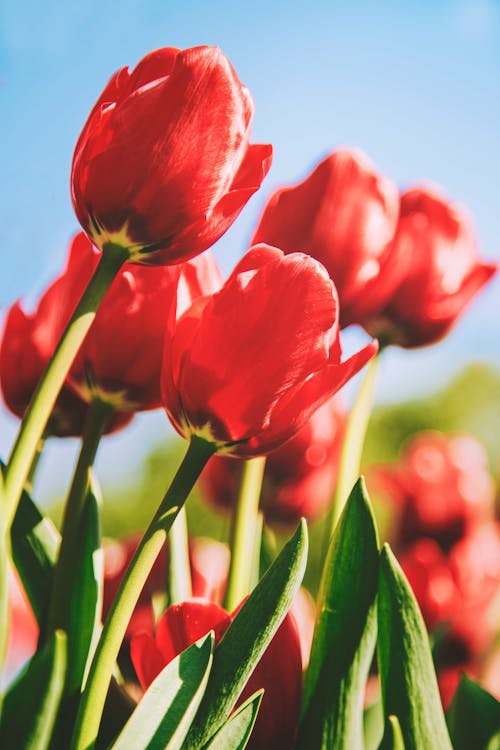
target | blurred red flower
[
  {"x": 459, "y": 596},
  {"x": 443, "y": 271},
  {"x": 343, "y": 214},
  {"x": 164, "y": 165},
  {"x": 300, "y": 476},
  {"x": 246, "y": 367},
  {"x": 440, "y": 488},
  {"x": 120, "y": 359},
  {"x": 279, "y": 671}
]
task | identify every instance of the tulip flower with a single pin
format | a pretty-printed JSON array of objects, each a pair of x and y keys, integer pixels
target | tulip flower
[
  {"x": 343, "y": 214},
  {"x": 120, "y": 360},
  {"x": 300, "y": 476},
  {"x": 279, "y": 671},
  {"x": 428, "y": 571},
  {"x": 458, "y": 594},
  {"x": 246, "y": 367},
  {"x": 443, "y": 271},
  {"x": 27, "y": 343},
  {"x": 475, "y": 564},
  {"x": 163, "y": 165},
  {"x": 440, "y": 489}
]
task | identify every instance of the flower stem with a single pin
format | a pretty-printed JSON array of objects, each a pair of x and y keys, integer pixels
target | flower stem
[
  {"x": 352, "y": 447},
  {"x": 89, "y": 715},
  {"x": 244, "y": 532},
  {"x": 95, "y": 423},
  {"x": 30, "y": 479},
  {"x": 179, "y": 570},
  {"x": 45, "y": 396}
]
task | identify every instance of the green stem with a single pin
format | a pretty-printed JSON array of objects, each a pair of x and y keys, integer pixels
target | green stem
[
  {"x": 58, "y": 614},
  {"x": 244, "y": 532},
  {"x": 30, "y": 479},
  {"x": 89, "y": 715},
  {"x": 257, "y": 546},
  {"x": 352, "y": 447},
  {"x": 45, "y": 396},
  {"x": 179, "y": 569}
]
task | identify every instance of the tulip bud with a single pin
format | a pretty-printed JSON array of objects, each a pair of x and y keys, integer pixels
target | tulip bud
[
  {"x": 246, "y": 367},
  {"x": 343, "y": 214},
  {"x": 163, "y": 165},
  {"x": 443, "y": 271}
]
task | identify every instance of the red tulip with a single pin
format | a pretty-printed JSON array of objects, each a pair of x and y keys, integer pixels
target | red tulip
[
  {"x": 343, "y": 214},
  {"x": 441, "y": 488},
  {"x": 27, "y": 343},
  {"x": 163, "y": 165},
  {"x": 119, "y": 361},
  {"x": 475, "y": 564},
  {"x": 300, "y": 476},
  {"x": 443, "y": 271},
  {"x": 460, "y": 591},
  {"x": 279, "y": 671},
  {"x": 247, "y": 366},
  {"x": 428, "y": 571}
]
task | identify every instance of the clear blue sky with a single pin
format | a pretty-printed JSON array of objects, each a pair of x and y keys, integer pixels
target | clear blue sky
[{"x": 414, "y": 84}]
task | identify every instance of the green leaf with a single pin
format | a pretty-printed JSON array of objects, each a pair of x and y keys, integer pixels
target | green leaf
[
  {"x": 31, "y": 704},
  {"x": 409, "y": 685},
  {"x": 235, "y": 733},
  {"x": 85, "y": 603},
  {"x": 473, "y": 717},
  {"x": 393, "y": 737},
  {"x": 83, "y": 609},
  {"x": 164, "y": 715},
  {"x": 34, "y": 543},
  {"x": 248, "y": 636},
  {"x": 345, "y": 633}
]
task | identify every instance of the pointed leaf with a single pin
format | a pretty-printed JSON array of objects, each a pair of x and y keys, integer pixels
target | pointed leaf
[
  {"x": 164, "y": 715},
  {"x": 34, "y": 542},
  {"x": 473, "y": 717},
  {"x": 86, "y": 594},
  {"x": 393, "y": 737},
  {"x": 345, "y": 633},
  {"x": 235, "y": 733},
  {"x": 409, "y": 685},
  {"x": 248, "y": 636},
  {"x": 31, "y": 704}
]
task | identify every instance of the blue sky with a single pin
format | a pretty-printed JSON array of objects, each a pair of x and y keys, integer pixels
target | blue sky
[{"x": 414, "y": 84}]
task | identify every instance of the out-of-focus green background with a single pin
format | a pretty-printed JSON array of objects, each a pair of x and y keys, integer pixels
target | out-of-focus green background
[{"x": 470, "y": 404}]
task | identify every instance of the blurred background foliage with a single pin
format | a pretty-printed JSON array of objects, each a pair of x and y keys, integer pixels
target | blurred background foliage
[{"x": 470, "y": 404}]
